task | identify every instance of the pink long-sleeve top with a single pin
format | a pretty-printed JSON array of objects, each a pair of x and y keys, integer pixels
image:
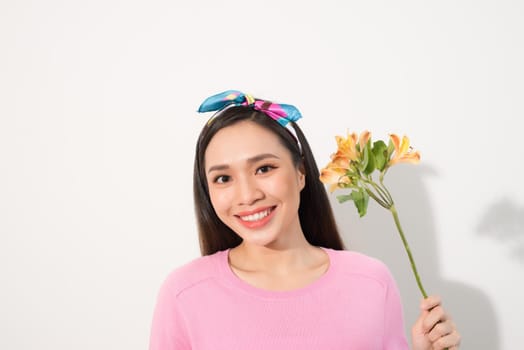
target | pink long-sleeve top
[{"x": 354, "y": 305}]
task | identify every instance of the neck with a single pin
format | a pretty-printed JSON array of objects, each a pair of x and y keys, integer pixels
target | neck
[{"x": 279, "y": 259}]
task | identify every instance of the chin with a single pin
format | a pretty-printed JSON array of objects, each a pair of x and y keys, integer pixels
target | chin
[{"x": 262, "y": 240}]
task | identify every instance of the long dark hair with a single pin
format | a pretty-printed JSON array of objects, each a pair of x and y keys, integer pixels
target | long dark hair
[{"x": 316, "y": 217}]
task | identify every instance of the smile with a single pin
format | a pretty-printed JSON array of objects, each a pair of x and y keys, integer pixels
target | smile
[{"x": 256, "y": 216}]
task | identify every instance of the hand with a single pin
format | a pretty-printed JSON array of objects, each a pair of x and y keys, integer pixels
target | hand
[{"x": 434, "y": 329}]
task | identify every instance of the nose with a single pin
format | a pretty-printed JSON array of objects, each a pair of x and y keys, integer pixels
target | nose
[{"x": 248, "y": 191}]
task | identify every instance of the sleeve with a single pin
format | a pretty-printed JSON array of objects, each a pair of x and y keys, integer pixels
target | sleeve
[
  {"x": 168, "y": 330},
  {"x": 394, "y": 335}
]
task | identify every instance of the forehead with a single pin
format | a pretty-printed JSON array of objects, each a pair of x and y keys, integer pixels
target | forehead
[{"x": 242, "y": 141}]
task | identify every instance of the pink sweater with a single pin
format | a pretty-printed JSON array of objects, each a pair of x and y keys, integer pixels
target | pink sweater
[{"x": 354, "y": 305}]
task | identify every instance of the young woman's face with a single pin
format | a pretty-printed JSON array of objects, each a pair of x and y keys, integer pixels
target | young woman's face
[{"x": 253, "y": 184}]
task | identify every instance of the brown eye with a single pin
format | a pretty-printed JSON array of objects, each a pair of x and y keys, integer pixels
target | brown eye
[
  {"x": 265, "y": 169},
  {"x": 221, "y": 179}
]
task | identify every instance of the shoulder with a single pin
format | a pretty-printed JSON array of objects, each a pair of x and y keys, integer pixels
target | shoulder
[
  {"x": 351, "y": 263},
  {"x": 193, "y": 273}
]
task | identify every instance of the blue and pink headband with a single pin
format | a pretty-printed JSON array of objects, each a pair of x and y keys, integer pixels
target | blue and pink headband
[{"x": 281, "y": 113}]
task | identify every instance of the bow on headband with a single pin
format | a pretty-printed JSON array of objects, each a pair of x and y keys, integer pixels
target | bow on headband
[{"x": 282, "y": 113}]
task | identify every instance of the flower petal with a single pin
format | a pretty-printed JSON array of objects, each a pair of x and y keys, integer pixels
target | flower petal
[
  {"x": 396, "y": 141},
  {"x": 364, "y": 138},
  {"x": 404, "y": 146}
]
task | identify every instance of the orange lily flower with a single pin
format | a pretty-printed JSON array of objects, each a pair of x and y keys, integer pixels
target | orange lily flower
[
  {"x": 340, "y": 162},
  {"x": 335, "y": 176},
  {"x": 403, "y": 152},
  {"x": 363, "y": 139},
  {"x": 347, "y": 147}
]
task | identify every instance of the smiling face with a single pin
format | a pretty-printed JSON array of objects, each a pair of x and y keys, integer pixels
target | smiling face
[{"x": 254, "y": 186}]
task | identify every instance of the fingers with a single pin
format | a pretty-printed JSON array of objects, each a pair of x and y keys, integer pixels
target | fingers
[
  {"x": 437, "y": 325},
  {"x": 440, "y": 330},
  {"x": 430, "y": 302},
  {"x": 450, "y": 341},
  {"x": 433, "y": 318}
]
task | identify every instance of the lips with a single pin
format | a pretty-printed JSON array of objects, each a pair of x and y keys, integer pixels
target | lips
[{"x": 256, "y": 218}]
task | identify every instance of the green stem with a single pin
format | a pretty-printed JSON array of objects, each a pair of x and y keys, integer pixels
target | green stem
[
  {"x": 378, "y": 200},
  {"x": 379, "y": 191},
  {"x": 385, "y": 188},
  {"x": 406, "y": 246},
  {"x": 374, "y": 196},
  {"x": 384, "y": 201}
]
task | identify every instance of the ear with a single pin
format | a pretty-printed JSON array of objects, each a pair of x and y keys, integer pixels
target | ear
[{"x": 302, "y": 176}]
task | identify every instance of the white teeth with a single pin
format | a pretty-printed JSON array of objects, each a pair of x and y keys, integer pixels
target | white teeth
[{"x": 256, "y": 216}]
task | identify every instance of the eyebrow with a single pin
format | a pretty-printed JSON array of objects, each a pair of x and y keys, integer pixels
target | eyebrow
[{"x": 251, "y": 160}]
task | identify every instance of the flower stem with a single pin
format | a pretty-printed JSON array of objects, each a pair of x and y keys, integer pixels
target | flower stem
[
  {"x": 375, "y": 197},
  {"x": 381, "y": 193},
  {"x": 406, "y": 246},
  {"x": 385, "y": 189}
]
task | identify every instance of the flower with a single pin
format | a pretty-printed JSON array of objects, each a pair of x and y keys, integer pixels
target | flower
[
  {"x": 364, "y": 138},
  {"x": 347, "y": 147},
  {"x": 340, "y": 171},
  {"x": 403, "y": 152},
  {"x": 352, "y": 167},
  {"x": 335, "y": 175}
]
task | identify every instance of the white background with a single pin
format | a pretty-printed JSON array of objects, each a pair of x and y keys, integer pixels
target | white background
[{"x": 98, "y": 126}]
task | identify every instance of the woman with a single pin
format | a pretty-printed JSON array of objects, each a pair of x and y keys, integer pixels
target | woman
[{"x": 274, "y": 273}]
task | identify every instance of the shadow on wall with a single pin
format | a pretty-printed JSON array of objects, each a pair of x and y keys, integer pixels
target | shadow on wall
[
  {"x": 376, "y": 235},
  {"x": 504, "y": 221}
]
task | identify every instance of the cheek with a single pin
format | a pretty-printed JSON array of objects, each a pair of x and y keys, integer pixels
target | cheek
[
  {"x": 219, "y": 200},
  {"x": 278, "y": 189},
  {"x": 285, "y": 187}
]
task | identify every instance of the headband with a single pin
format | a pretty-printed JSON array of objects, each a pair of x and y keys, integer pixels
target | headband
[{"x": 281, "y": 113}]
